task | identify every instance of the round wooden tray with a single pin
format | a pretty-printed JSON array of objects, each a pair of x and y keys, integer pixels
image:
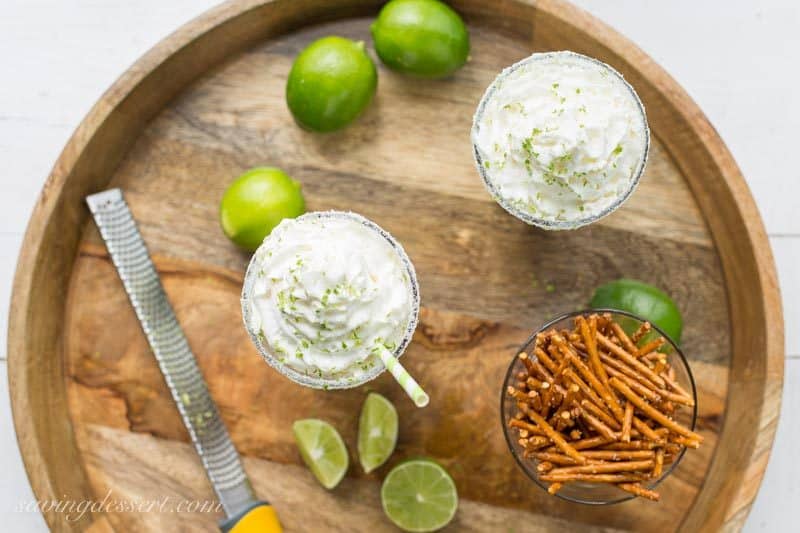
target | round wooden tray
[{"x": 92, "y": 412}]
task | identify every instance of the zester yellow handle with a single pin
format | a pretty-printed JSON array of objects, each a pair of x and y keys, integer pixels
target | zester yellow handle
[{"x": 259, "y": 519}]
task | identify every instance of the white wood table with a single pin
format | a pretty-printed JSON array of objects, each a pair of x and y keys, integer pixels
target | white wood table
[{"x": 737, "y": 58}]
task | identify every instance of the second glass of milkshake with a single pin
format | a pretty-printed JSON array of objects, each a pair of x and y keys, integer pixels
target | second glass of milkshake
[{"x": 560, "y": 140}]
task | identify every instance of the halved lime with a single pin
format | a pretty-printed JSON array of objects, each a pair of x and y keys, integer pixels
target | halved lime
[
  {"x": 642, "y": 300},
  {"x": 322, "y": 449},
  {"x": 419, "y": 495},
  {"x": 377, "y": 431}
]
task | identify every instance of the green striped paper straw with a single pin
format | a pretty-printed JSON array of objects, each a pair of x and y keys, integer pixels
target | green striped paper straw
[{"x": 409, "y": 384}]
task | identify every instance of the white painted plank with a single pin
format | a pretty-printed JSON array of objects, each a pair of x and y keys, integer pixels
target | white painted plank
[
  {"x": 9, "y": 250},
  {"x": 786, "y": 251},
  {"x": 15, "y": 492},
  {"x": 738, "y": 60},
  {"x": 59, "y": 57},
  {"x": 775, "y": 508}
]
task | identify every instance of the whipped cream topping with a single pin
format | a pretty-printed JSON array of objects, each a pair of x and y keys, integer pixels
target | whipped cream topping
[
  {"x": 329, "y": 289},
  {"x": 560, "y": 138}
]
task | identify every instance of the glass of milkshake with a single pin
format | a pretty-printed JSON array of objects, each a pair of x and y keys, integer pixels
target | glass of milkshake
[
  {"x": 560, "y": 140},
  {"x": 326, "y": 295}
]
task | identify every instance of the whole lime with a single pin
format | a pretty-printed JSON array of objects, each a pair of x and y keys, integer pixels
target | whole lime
[
  {"x": 256, "y": 202},
  {"x": 331, "y": 82},
  {"x": 643, "y": 300},
  {"x": 421, "y": 37}
]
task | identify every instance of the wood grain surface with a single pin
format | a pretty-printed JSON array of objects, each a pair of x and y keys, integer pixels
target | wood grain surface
[{"x": 207, "y": 104}]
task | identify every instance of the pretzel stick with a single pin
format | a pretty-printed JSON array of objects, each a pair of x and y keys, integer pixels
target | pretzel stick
[
  {"x": 542, "y": 356},
  {"x": 604, "y": 393},
  {"x": 632, "y": 445},
  {"x": 521, "y": 424},
  {"x": 677, "y": 398},
  {"x": 651, "y": 412},
  {"x": 544, "y": 467},
  {"x": 541, "y": 371},
  {"x": 535, "y": 400},
  {"x": 556, "y": 437},
  {"x": 653, "y": 356},
  {"x": 618, "y": 455},
  {"x": 638, "y": 490},
  {"x": 583, "y": 444},
  {"x": 659, "y": 463},
  {"x": 630, "y": 360},
  {"x": 560, "y": 370},
  {"x": 601, "y": 321},
  {"x": 599, "y": 413},
  {"x": 619, "y": 366},
  {"x": 568, "y": 400},
  {"x": 572, "y": 394},
  {"x": 556, "y": 458},
  {"x": 593, "y": 456},
  {"x": 650, "y": 394},
  {"x": 544, "y": 373},
  {"x": 647, "y": 431},
  {"x": 605, "y": 468},
  {"x": 554, "y": 487},
  {"x": 591, "y": 347},
  {"x": 597, "y": 424},
  {"x": 651, "y": 346},
  {"x": 518, "y": 394},
  {"x": 547, "y": 391},
  {"x": 626, "y": 341},
  {"x": 643, "y": 329},
  {"x": 560, "y": 459},
  {"x": 689, "y": 443},
  {"x": 592, "y": 478},
  {"x": 581, "y": 349},
  {"x": 526, "y": 360},
  {"x": 626, "y": 423},
  {"x": 533, "y": 383},
  {"x": 677, "y": 388},
  {"x": 587, "y": 390},
  {"x": 536, "y": 442}
]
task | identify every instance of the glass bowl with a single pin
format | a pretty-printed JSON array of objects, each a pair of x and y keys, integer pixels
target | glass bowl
[
  {"x": 594, "y": 493},
  {"x": 376, "y": 367},
  {"x": 508, "y": 205}
]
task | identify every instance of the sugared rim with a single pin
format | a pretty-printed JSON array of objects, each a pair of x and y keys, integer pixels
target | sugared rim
[
  {"x": 523, "y": 215},
  {"x": 510, "y": 371},
  {"x": 378, "y": 368}
]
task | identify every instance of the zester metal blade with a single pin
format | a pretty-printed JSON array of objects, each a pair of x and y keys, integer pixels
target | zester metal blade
[{"x": 166, "y": 338}]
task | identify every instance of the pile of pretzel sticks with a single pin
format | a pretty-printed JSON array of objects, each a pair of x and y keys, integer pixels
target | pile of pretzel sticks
[{"x": 596, "y": 405}]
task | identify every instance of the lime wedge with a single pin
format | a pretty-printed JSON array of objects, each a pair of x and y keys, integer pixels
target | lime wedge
[
  {"x": 323, "y": 450},
  {"x": 377, "y": 431},
  {"x": 419, "y": 495}
]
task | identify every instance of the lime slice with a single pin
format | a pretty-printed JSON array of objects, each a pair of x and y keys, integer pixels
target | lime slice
[
  {"x": 642, "y": 300},
  {"x": 419, "y": 495},
  {"x": 377, "y": 431},
  {"x": 323, "y": 450}
]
